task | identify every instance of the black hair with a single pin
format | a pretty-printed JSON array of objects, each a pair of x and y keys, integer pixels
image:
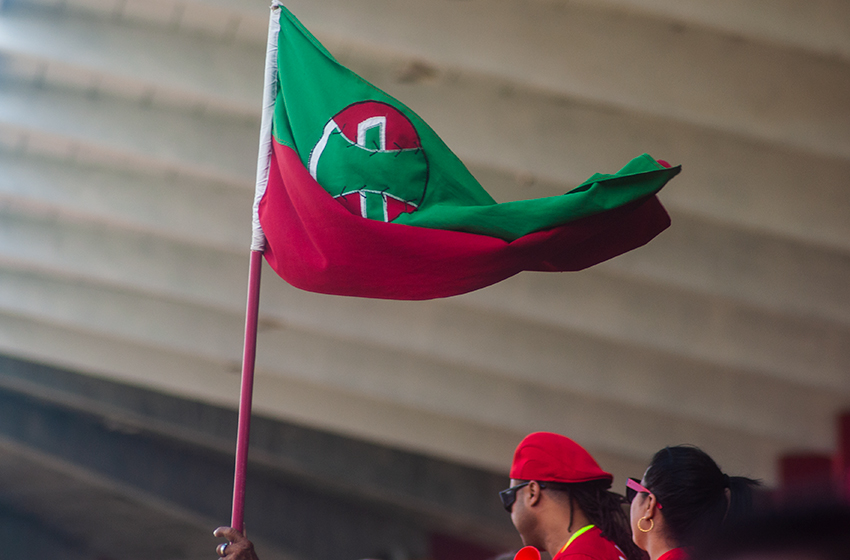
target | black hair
[
  {"x": 692, "y": 491},
  {"x": 605, "y": 509}
]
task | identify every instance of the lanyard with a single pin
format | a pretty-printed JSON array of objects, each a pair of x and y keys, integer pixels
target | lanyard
[{"x": 576, "y": 534}]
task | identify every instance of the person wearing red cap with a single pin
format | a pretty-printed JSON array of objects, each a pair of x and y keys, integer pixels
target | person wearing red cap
[{"x": 559, "y": 502}]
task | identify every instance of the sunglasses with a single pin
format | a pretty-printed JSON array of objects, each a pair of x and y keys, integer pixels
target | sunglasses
[
  {"x": 633, "y": 486},
  {"x": 508, "y": 495}
]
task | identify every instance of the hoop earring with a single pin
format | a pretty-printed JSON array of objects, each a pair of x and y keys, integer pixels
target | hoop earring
[{"x": 651, "y": 525}]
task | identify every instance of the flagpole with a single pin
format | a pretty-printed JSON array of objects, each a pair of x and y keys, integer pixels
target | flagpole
[
  {"x": 258, "y": 241},
  {"x": 247, "y": 391}
]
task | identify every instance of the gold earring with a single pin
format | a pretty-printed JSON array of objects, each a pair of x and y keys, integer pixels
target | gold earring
[{"x": 651, "y": 525}]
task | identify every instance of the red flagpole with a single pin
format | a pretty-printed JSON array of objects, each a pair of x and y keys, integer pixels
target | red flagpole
[{"x": 247, "y": 390}]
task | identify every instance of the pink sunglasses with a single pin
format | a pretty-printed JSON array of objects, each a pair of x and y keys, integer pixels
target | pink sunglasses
[{"x": 633, "y": 486}]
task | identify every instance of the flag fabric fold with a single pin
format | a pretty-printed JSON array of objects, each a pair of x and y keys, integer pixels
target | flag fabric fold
[{"x": 363, "y": 198}]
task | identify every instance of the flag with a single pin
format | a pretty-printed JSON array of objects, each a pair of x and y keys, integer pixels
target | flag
[{"x": 360, "y": 196}]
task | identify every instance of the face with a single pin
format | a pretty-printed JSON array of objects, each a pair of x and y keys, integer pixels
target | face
[
  {"x": 634, "y": 516},
  {"x": 636, "y": 512},
  {"x": 521, "y": 517},
  {"x": 516, "y": 507}
]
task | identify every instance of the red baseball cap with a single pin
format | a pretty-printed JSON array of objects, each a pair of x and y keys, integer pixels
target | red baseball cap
[{"x": 545, "y": 456}]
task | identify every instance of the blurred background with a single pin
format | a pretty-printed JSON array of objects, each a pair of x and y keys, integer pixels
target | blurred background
[{"x": 128, "y": 144}]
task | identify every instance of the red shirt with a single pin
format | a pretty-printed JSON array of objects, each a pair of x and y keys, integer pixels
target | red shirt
[
  {"x": 675, "y": 554},
  {"x": 591, "y": 545}
]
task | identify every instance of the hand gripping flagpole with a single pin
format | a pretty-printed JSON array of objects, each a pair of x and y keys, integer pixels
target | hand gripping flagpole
[{"x": 258, "y": 242}]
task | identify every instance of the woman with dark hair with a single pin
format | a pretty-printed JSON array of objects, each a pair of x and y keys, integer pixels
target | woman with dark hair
[
  {"x": 683, "y": 502},
  {"x": 559, "y": 502}
]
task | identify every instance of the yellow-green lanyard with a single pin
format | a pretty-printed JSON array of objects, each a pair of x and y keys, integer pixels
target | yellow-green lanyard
[{"x": 576, "y": 534}]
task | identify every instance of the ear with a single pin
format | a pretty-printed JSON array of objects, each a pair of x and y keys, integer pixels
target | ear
[
  {"x": 534, "y": 493},
  {"x": 650, "y": 506}
]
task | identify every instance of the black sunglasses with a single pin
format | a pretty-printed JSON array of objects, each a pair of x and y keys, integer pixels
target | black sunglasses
[{"x": 508, "y": 495}]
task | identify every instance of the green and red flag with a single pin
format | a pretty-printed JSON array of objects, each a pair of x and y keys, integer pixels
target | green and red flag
[{"x": 362, "y": 198}]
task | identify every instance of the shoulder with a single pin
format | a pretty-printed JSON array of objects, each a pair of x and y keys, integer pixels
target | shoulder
[
  {"x": 591, "y": 546},
  {"x": 675, "y": 554},
  {"x": 609, "y": 554}
]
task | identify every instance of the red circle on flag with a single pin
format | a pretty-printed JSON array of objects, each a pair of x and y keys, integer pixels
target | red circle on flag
[{"x": 400, "y": 133}]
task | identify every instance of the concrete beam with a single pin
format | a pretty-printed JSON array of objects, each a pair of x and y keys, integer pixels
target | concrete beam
[
  {"x": 686, "y": 73},
  {"x": 54, "y": 509},
  {"x": 112, "y": 257},
  {"x": 289, "y": 464},
  {"x": 746, "y": 293},
  {"x": 822, "y": 26},
  {"x": 500, "y": 358},
  {"x": 222, "y": 148},
  {"x": 118, "y": 54},
  {"x": 764, "y": 271},
  {"x": 680, "y": 72},
  {"x": 518, "y": 130},
  {"x": 186, "y": 209},
  {"x": 526, "y": 143}
]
